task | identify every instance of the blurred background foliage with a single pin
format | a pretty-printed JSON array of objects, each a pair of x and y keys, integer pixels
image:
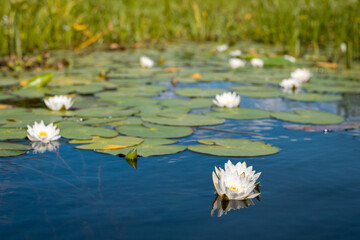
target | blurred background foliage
[{"x": 295, "y": 26}]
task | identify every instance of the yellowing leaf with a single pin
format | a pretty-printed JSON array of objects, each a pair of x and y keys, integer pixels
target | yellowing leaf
[
  {"x": 170, "y": 69},
  {"x": 196, "y": 75},
  {"x": 3, "y": 106},
  {"x": 111, "y": 147},
  {"x": 327, "y": 64},
  {"x": 23, "y": 82}
]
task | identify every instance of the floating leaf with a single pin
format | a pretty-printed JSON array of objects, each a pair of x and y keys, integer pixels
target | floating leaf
[
  {"x": 313, "y": 97},
  {"x": 85, "y": 132},
  {"x": 277, "y": 62},
  {"x": 106, "y": 112},
  {"x": 198, "y": 92},
  {"x": 257, "y": 91},
  {"x": 12, "y": 149},
  {"x": 118, "y": 142},
  {"x": 233, "y": 147},
  {"x": 30, "y": 92},
  {"x": 129, "y": 101},
  {"x": 312, "y": 128},
  {"x": 12, "y": 133},
  {"x": 308, "y": 116},
  {"x": 192, "y": 103},
  {"x": 22, "y": 120},
  {"x": 40, "y": 80},
  {"x": 330, "y": 88},
  {"x": 154, "y": 131},
  {"x": 180, "y": 119},
  {"x": 150, "y": 147},
  {"x": 5, "y": 82},
  {"x": 239, "y": 113}
]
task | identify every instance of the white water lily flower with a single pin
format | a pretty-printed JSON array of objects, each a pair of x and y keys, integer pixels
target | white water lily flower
[
  {"x": 146, "y": 62},
  {"x": 223, "y": 207},
  {"x": 40, "y": 132},
  {"x": 235, "y": 53},
  {"x": 290, "y": 85},
  {"x": 59, "y": 102},
  {"x": 227, "y": 99},
  {"x": 257, "y": 62},
  {"x": 236, "y": 63},
  {"x": 222, "y": 48},
  {"x": 236, "y": 182},
  {"x": 301, "y": 75},
  {"x": 40, "y": 147},
  {"x": 290, "y": 58},
  {"x": 343, "y": 47}
]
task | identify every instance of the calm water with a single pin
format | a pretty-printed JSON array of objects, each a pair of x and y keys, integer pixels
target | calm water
[{"x": 309, "y": 190}]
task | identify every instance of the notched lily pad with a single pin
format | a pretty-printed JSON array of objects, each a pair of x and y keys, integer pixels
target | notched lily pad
[
  {"x": 181, "y": 119},
  {"x": 150, "y": 147},
  {"x": 313, "y": 97},
  {"x": 233, "y": 147},
  {"x": 86, "y": 132},
  {"x": 308, "y": 116},
  {"x": 154, "y": 131},
  {"x": 97, "y": 143},
  {"x": 192, "y": 103},
  {"x": 106, "y": 112},
  {"x": 239, "y": 113},
  {"x": 257, "y": 91},
  {"x": 12, "y": 133},
  {"x": 12, "y": 149},
  {"x": 198, "y": 92}
]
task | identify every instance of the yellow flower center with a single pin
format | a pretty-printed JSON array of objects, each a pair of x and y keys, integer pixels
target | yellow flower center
[
  {"x": 233, "y": 188},
  {"x": 43, "y": 134}
]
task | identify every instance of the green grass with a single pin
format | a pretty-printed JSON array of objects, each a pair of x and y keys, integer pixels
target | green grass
[{"x": 296, "y": 26}]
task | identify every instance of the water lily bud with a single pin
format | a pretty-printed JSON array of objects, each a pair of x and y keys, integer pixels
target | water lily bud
[{"x": 132, "y": 155}]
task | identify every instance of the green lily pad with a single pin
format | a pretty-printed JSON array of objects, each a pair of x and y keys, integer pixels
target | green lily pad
[
  {"x": 12, "y": 133},
  {"x": 277, "y": 62},
  {"x": 257, "y": 91},
  {"x": 233, "y": 148},
  {"x": 150, "y": 147},
  {"x": 181, "y": 119},
  {"x": 18, "y": 121},
  {"x": 30, "y": 92},
  {"x": 5, "y": 82},
  {"x": 308, "y": 116},
  {"x": 140, "y": 90},
  {"x": 97, "y": 143},
  {"x": 5, "y": 96},
  {"x": 192, "y": 103},
  {"x": 106, "y": 112},
  {"x": 198, "y": 92},
  {"x": 85, "y": 132},
  {"x": 128, "y": 101},
  {"x": 154, "y": 131},
  {"x": 82, "y": 89},
  {"x": 239, "y": 113},
  {"x": 12, "y": 149},
  {"x": 127, "y": 121},
  {"x": 330, "y": 88},
  {"x": 40, "y": 80},
  {"x": 313, "y": 97}
]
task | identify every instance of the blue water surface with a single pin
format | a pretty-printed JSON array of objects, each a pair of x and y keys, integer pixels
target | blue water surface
[{"x": 309, "y": 190}]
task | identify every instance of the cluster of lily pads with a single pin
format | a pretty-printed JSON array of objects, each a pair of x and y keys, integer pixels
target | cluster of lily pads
[{"x": 110, "y": 103}]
